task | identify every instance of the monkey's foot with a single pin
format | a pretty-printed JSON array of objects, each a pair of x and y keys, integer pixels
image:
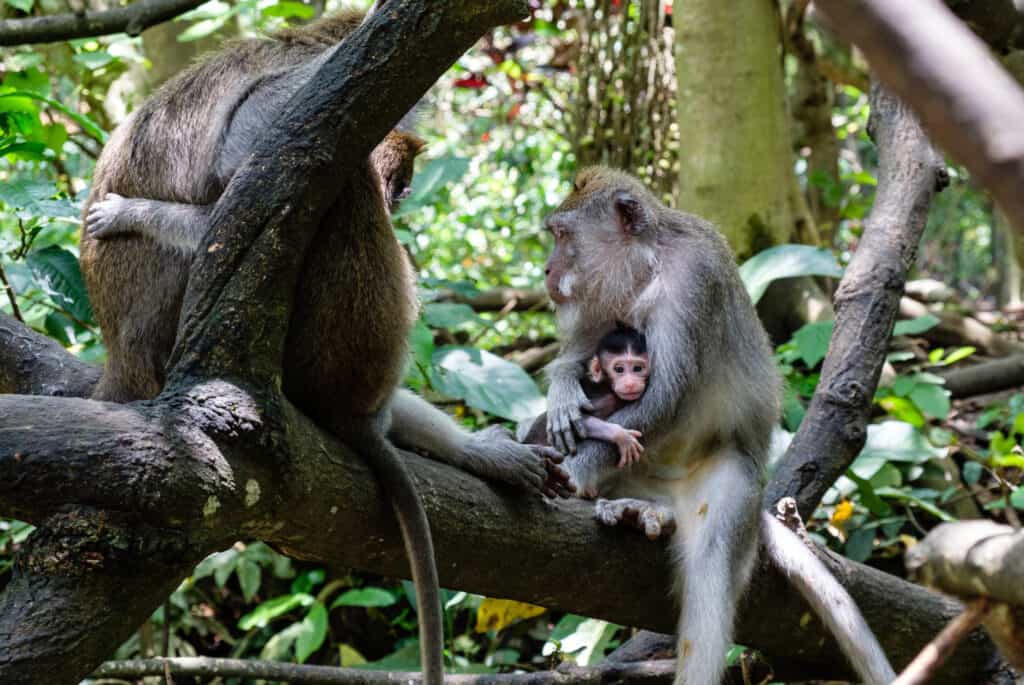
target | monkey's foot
[
  {"x": 653, "y": 520},
  {"x": 495, "y": 455}
]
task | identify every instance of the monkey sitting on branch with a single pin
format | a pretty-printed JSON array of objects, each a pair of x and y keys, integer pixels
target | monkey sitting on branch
[
  {"x": 355, "y": 303},
  {"x": 617, "y": 375},
  {"x": 707, "y": 415}
]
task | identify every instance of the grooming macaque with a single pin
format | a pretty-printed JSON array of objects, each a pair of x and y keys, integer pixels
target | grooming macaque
[
  {"x": 617, "y": 375},
  {"x": 355, "y": 303},
  {"x": 707, "y": 415}
]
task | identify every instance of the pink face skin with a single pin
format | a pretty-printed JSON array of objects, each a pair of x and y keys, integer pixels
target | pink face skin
[{"x": 626, "y": 373}]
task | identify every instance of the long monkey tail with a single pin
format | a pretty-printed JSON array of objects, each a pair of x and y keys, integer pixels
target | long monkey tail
[
  {"x": 387, "y": 466},
  {"x": 830, "y": 601}
]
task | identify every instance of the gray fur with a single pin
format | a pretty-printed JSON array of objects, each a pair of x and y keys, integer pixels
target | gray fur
[{"x": 707, "y": 417}]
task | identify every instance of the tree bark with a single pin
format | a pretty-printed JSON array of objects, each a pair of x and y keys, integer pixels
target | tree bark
[
  {"x": 132, "y": 19},
  {"x": 993, "y": 376},
  {"x": 835, "y": 426}
]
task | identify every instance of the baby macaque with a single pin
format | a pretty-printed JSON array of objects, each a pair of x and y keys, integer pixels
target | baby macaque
[{"x": 617, "y": 376}]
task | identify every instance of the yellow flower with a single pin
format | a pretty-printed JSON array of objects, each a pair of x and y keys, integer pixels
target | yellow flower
[
  {"x": 495, "y": 614},
  {"x": 842, "y": 513}
]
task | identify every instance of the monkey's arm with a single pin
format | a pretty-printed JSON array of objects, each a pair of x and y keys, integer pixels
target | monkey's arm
[
  {"x": 566, "y": 399},
  {"x": 172, "y": 224},
  {"x": 625, "y": 439}
]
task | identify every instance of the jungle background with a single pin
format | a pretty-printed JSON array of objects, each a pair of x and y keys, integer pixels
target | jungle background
[{"x": 755, "y": 117}]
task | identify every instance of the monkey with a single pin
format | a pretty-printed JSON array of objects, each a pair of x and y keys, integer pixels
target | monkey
[
  {"x": 706, "y": 416},
  {"x": 617, "y": 375},
  {"x": 355, "y": 303}
]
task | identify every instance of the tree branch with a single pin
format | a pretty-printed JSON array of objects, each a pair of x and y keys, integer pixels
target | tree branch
[
  {"x": 992, "y": 376},
  {"x": 132, "y": 19},
  {"x": 834, "y": 429},
  {"x": 648, "y": 672},
  {"x": 966, "y": 101},
  {"x": 238, "y": 302},
  {"x": 33, "y": 364}
]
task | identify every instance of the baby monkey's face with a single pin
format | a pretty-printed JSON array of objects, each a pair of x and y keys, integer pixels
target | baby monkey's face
[{"x": 625, "y": 373}]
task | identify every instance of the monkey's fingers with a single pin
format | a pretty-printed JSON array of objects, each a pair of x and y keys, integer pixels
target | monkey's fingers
[{"x": 558, "y": 480}]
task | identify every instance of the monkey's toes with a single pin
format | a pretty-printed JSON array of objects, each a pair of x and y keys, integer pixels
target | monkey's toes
[{"x": 653, "y": 520}]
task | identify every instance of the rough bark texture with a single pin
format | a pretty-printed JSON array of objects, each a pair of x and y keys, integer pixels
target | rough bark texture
[
  {"x": 834, "y": 429},
  {"x": 36, "y": 365},
  {"x": 924, "y": 54},
  {"x": 735, "y": 157}
]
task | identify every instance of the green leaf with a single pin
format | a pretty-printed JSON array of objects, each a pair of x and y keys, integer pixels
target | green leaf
[
  {"x": 812, "y": 341},
  {"x": 868, "y": 497},
  {"x": 307, "y": 580},
  {"x": 933, "y": 400},
  {"x": 94, "y": 60},
  {"x": 23, "y": 5},
  {"x": 87, "y": 124},
  {"x": 405, "y": 658},
  {"x": 899, "y": 442},
  {"x": 958, "y": 354},
  {"x": 786, "y": 261},
  {"x": 365, "y": 597},
  {"x": 915, "y": 326},
  {"x": 903, "y": 385},
  {"x": 202, "y": 29},
  {"x": 1018, "y": 425},
  {"x": 56, "y": 270},
  {"x": 859, "y": 544},
  {"x": 249, "y": 577},
  {"x": 587, "y": 643},
  {"x": 1017, "y": 498},
  {"x": 972, "y": 472},
  {"x": 449, "y": 314},
  {"x": 487, "y": 382},
  {"x": 935, "y": 356},
  {"x": 264, "y": 613},
  {"x": 278, "y": 646},
  {"x": 314, "y": 630},
  {"x": 434, "y": 175},
  {"x": 902, "y": 409},
  {"x": 288, "y": 10}
]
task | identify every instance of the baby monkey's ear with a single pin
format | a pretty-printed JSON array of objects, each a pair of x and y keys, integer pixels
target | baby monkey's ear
[{"x": 596, "y": 374}]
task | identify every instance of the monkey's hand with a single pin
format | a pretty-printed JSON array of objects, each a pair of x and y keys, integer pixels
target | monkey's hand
[
  {"x": 494, "y": 454},
  {"x": 652, "y": 519},
  {"x": 566, "y": 399},
  {"x": 630, "y": 449},
  {"x": 103, "y": 219}
]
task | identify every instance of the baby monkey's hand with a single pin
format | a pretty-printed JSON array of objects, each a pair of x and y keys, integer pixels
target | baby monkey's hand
[{"x": 630, "y": 449}]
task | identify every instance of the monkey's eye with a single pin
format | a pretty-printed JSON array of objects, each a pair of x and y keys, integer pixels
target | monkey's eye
[
  {"x": 619, "y": 368},
  {"x": 638, "y": 369}
]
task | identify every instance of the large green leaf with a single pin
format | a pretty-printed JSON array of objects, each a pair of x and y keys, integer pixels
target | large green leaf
[
  {"x": 812, "y": 341},
  {"x": 786, "y": 261},
  {"x": 87, "y": 124},
  {"x": 895, "y": 441},
  {"x": 56, "y": 270},
  {"x": 272, "y": 608},
  {"x": 314, "y": 630},
  {"x": 434, "y": 175},
  {"x": 365, "y": 597},
  {"x": 915, "y": 326},
  {"x": 486, "y": 381}
]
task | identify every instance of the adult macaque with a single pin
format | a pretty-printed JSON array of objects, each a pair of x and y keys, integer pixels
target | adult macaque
[
  {"x": 355, "y": 303},
  {"x": 617, "y": 375},
  {"x": 707, "y": 415}
]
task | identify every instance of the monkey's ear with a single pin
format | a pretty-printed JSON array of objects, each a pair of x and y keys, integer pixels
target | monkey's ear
[
  {"x": 632, "y": 215},
  {"x": 595, "y": 369}
]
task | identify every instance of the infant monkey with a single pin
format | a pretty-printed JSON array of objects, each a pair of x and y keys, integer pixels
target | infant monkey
[{"x": 617, "y": 376}]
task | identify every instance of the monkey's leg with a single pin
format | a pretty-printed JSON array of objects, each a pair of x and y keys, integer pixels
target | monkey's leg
[
  {"x": 491, "y": 454},
  {"x": 172, "y": 224},
  {"x": 717, "y": 515}
]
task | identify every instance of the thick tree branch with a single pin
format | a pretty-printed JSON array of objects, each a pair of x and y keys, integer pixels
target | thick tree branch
[
  {"x": 349, "y": 524},
  {"x": 32, "y": 364},
  {"x": 238, "y": 303},
  {"x": 992, "y": 376},
  {"x": 132, "y": 19},
  {"x": 499, "y": 299},
  {"x": 834, "y": 429},
  {"x": 967, "y": 102}
]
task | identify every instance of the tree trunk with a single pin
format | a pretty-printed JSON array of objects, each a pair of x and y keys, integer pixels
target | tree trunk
[{"x": 736, "y": 160}]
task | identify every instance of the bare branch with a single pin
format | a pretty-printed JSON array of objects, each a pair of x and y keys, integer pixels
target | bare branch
[
  {"x": 926, "y": 664},
  {"x": 132, "y": 19},
  {"x": 33, "y": 364},
  {"x": 966, "y": 101},
  {"x": 834, "y": 429},
  {"x": 645, "y": 672},
  {"x": 992, "y": 376}
]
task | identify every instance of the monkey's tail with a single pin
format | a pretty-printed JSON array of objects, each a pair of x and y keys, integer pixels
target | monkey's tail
[
  {"x": 387, "y": 466},
  {"x": 830, "y": 601}
]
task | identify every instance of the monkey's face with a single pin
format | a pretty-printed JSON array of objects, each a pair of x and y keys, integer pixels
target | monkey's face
[
  {"x": 394, "y": 159},
  {"x": 600, "y": 236},
  {"x": 625, "y": 373}
]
